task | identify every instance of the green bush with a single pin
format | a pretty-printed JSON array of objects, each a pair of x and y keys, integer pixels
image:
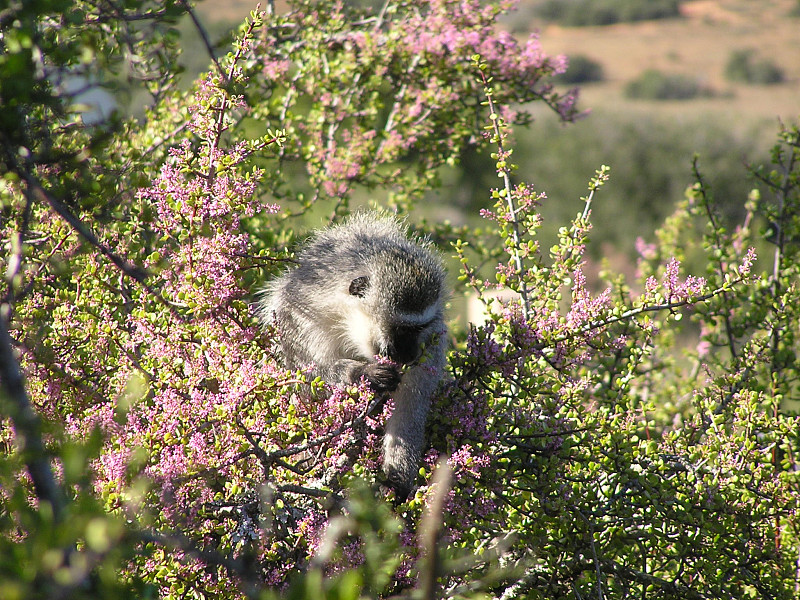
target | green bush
[
  {"x": 579, "y": 13},
  {"x": 652, "y": 84},
  {"x": 582, "y": 69},
  {"x": 151, "y": 443},
  {"x": 743, "y": 66}
]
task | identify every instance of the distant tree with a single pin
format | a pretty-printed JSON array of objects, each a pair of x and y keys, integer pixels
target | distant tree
[
  {"x": 577, "y": 13},
  {"x": 652, "y": 84},
  {"x": 581, "y": 69},
  {"x": 743, "y": 66}
]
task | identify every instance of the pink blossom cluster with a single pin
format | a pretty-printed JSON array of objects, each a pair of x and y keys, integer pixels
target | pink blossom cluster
[
  {"x": 584, "y": 308},
  {"x": 647, "y": 251},
  {"x": 348, "y": 137},
  {"x": 466, "y": 462},
  {"x": 200, "y": 216},
  {"x": 748, "y": 260},
  {"x": 455, "y": 30},
  {"x": 468, "y": 443},
  {"x": 495, "y": 352},
  {"x": 673, "y": 288}
]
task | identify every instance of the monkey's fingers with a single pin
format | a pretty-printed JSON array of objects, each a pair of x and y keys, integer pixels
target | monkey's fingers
[{"x": 382, "y": 377}]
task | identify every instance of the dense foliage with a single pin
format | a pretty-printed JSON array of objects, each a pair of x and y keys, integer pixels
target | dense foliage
[{"x": 154, "y": 447}]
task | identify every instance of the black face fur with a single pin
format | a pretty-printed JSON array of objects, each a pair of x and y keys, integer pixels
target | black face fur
[{"x": 405, "y": 345}]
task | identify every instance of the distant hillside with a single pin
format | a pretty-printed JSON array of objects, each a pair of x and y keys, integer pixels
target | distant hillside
[{"x": 698, "y": 45}]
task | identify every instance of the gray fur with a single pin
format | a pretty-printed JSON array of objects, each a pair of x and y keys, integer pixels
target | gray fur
[{"x": 362, "y": 290}]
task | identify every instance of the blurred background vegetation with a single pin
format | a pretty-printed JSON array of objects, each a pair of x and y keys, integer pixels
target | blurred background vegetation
[{"x": 660, "y": 81}]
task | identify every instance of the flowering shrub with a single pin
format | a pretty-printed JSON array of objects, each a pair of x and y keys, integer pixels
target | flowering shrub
[{"x": 573, "y": 451}]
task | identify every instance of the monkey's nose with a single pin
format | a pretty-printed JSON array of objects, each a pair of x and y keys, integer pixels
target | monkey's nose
[{"x": 403, "y": 353}]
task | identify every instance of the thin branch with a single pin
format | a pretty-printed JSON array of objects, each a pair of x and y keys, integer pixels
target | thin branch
[
  {"x": 781, "y": 194},
  {"x": 718, "y": 244},
  {"x": 306, "y": 491},
  {"x": 671, "y": 587},
  {"x": 515, "y": 229},
  {"x": 269, "y": 458},
  {"x": 203, "y": 35},
  {"x": 628, "y": 314},
  {"x": 595, "y": 557},
  {"x": 121, "y": 15},
  {"x": 235, "y": 567},
  {"x": 35, "y": 190},
  {"x": 219, "y": 126},
  {"x": 430, "y": 531}
]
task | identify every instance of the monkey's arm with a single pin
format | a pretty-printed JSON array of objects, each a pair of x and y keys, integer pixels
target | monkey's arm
[
  {"x": 305, "y": 342},
  {"x": 405, "y": 431}
]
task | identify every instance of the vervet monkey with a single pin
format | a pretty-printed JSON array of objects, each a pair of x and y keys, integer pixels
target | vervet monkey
[{"x": 360, "y": 293}]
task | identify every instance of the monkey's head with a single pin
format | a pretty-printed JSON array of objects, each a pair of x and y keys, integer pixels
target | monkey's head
[{"x": 397, "y": 302}]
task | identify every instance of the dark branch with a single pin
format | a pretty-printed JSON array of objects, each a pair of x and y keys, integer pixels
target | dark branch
[{"x": 27, "y": 427}]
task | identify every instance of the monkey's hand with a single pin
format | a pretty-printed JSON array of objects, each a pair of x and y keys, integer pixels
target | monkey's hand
[{"x": 382, "y": 376}]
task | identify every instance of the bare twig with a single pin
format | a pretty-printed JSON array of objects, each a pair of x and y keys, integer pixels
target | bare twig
[
  {"x": 717, "y": 243},
  {"x": 595, "y": 557},
  {"x": 203, "y": 35},
  {"x": 430, "y": 530}
]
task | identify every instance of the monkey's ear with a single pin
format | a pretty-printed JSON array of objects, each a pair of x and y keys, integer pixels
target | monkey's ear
[{"x": 359, "y": 286}]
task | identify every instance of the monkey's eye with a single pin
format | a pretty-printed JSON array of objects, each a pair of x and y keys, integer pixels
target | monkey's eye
[{"x": 359, "y": 285}]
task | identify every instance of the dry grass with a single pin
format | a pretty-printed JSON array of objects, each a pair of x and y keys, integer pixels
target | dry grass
[{"x": 697, "y": 45}]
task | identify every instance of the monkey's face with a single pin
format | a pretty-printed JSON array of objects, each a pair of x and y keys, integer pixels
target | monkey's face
[{"x": 383, "y": 325}]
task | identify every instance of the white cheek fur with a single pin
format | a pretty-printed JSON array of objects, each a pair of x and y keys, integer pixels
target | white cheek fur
[{"x": 363, "y": 334}]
